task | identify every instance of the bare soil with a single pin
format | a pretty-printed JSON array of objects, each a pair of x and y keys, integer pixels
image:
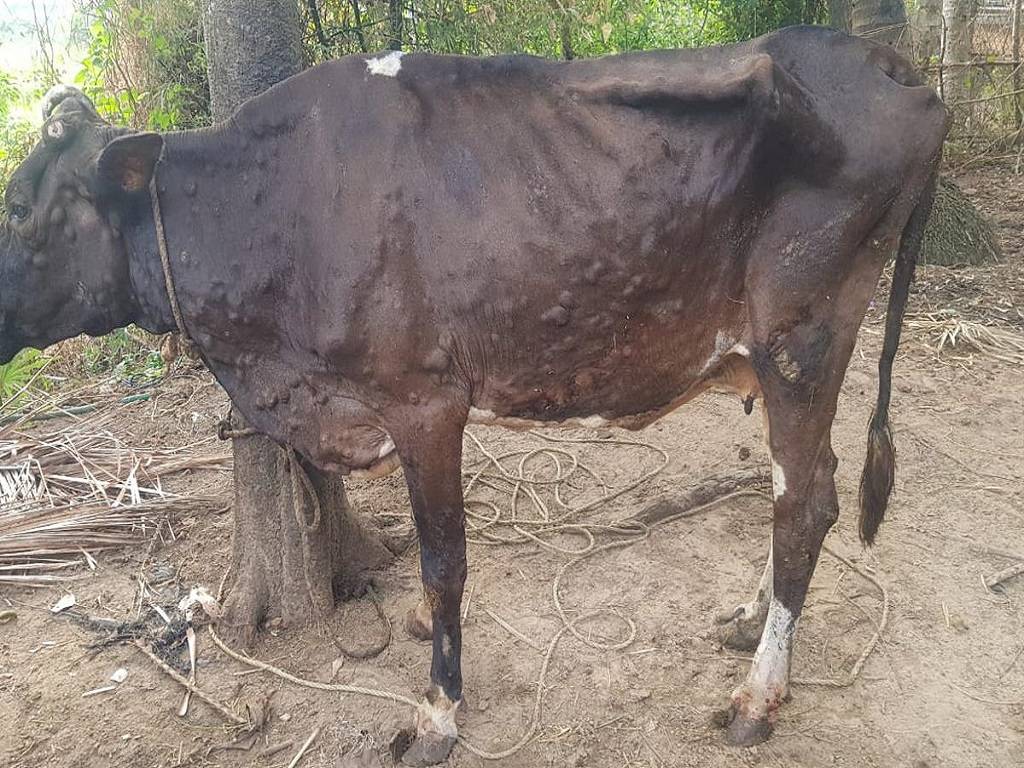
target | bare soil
[{"x": 938, "y": 691}]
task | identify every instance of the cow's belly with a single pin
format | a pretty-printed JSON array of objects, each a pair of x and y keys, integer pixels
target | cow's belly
[{"x": 727, "y": 369}]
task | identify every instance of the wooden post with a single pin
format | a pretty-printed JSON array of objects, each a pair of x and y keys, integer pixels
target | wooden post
[{"x": 1015, "y": 55}]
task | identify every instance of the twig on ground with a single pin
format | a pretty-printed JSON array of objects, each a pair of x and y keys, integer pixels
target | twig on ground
[
  {"x": 273, "y": 749},
  {"x": 1004, "y": 575},
  {"x": 227, "y": 713},
  {"x": 304, "y": 747},
  {"x": 512, "y": 630}
]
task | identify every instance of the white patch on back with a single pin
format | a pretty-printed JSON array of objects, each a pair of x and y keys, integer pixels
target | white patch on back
[
  {"x": 387, "y": 65},
  {"x": 778, "y": 480}
]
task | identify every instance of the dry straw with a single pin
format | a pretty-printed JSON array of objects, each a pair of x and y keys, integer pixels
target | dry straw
[
  {"x": 949, "y": 335},
  {"x": 70, "y": 492}
]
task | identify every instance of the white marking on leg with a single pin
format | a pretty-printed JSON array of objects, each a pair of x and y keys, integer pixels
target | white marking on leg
[
  {"x": 768, "y": 680},
  {"x": 765, "y": 589},
  {"x": 437, "y": 716},
  {"x": 778, "y": 480},
  {"x": 740, "y": 349},
  {"x": 771, "y": 662},
  {"x": 387, "y": 65}
]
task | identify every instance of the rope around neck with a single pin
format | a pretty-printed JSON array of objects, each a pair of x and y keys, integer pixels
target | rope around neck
[{"x": 165, "y": 263}]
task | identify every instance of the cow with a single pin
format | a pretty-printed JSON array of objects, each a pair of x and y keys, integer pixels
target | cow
[{"x": 386, "y": 247}]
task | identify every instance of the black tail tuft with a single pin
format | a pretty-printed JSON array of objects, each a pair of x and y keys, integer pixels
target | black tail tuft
[
  {"x": 878, "y": 478},
  {"x": 879, "y": 475}
]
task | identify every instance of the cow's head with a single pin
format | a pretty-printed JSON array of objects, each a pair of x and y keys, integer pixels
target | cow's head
[{"x": 63, "y": 264}]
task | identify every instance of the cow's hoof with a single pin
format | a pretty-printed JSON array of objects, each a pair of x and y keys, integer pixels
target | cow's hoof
[
  {"x": 739, "y": 629},
  {"x": 436, "y": 732},
  {"x": 419, "y": 624},
  {"x": 428, "y": 749},
  {"x": 744, "y": 731}
]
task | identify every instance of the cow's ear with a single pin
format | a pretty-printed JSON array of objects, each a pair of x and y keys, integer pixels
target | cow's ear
[{"x": 127, "y": 163}]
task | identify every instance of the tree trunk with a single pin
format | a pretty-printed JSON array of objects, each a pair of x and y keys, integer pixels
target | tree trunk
[
  {"x": 250, "y": 46},
  {"x": 884, "y": 21},
  {"x": 928, "y": 29},
  {"x": 395, "y": 11},
  {"x": 839, "y": 14},
  {"x": 958, "y": 19},
  {"x": 287, "y": 567}
]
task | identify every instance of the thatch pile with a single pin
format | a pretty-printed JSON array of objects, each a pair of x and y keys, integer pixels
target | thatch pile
[
  {"x": 957, "y": 233},
  {"x": 71, "y": 492}
]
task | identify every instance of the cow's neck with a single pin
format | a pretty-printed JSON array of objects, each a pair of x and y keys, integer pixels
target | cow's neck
[
  {"x": 148, "y": 285},
  {"x": 184, "y": 153}
]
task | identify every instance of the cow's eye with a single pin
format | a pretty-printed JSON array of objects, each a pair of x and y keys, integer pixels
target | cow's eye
[{"x": 19, "y": 212}]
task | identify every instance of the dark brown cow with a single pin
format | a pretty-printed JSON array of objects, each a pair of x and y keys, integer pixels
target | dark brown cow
[{"x": 384, "y": 248}]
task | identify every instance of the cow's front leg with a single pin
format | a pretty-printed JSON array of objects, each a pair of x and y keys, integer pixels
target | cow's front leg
[{"x": 432, "y": 460}]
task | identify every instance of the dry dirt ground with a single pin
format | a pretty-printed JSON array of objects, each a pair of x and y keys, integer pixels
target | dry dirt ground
[{"x": 938, "y": 691}]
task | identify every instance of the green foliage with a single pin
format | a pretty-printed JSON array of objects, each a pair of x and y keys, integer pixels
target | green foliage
[
  {"x": 124, "y": 357},
  {"x": 16, "y": 133},
  {"x": 744, "y": 19},
  {"x": 16, "y": 375},
  {"x": 145, "y": 65},
  {"x": 546, "y": 27}
]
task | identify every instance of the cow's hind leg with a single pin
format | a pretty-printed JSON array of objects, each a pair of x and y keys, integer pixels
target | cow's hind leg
[
  {"x": 741, "y": 628},
  {"x": 432, "y": 461},
  {"x": 801, "y": 371}
]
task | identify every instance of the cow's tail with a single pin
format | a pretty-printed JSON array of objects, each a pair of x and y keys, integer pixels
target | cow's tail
[{"x": 878, "y": 477}]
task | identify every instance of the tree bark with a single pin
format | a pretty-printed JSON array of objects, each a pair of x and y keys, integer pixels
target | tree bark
[
  {"x": 884, "y": 21},
  {"x": 958, "y": 20},
  {"x": 839, "y": 14},
  {"x": 928, "y": 29},
  {"x": 250, "y": 46},
  {"x": 395, "y": 10},
  {"x": 287, "y": 569},
  {"x": 290, "y": 561}
]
